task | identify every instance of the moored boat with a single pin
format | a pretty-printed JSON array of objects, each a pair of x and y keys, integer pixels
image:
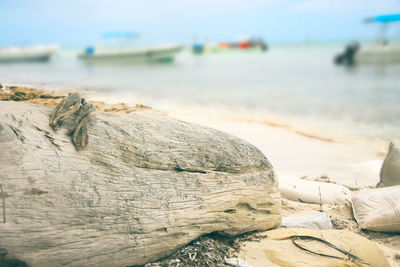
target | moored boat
[
  {"x": 27, "y": 54},
  {"x": 248, "y": 44},
  {"x": 381, "y": 52},
  {"x": 124, "y": 53},
  {"x": 161, "y": 53}
]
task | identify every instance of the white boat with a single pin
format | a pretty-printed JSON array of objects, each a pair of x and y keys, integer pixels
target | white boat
[
  {"x": 161, "y": 53},
  {"x": 382, "y": 52},
  {"x": 24, "y": 54},
  {"x": 378, "y": 54}
]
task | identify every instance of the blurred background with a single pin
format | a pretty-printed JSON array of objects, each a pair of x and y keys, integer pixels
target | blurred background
[{"x": 330, "y": 66}]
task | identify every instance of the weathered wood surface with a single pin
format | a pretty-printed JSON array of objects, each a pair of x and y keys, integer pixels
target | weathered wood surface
[{"x": 143, "y": 187}]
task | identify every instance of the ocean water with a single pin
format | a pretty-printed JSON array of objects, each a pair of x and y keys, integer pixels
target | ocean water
[{"x": 293, "y": 85}]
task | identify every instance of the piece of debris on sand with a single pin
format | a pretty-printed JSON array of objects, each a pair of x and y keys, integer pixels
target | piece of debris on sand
[
  {"x": 120, "y": 107},
  {"x": 51, "y": 98},
  {"x": 16, "y": 93}
]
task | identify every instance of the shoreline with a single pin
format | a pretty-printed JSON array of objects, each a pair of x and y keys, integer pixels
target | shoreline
[
  {"x": 309, "y": 127},
  {"x": 312, "y": 127}
]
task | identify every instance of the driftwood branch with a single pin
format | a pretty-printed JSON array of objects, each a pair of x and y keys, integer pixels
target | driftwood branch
[
  {"x": 67, "y": 107},
  {"x": 76, "y": 109}
]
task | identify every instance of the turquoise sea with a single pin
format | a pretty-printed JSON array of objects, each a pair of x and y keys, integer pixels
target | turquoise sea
[{"x": 291, "y": 84}]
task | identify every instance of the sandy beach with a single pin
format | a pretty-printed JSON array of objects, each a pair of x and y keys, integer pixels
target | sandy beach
[{"x": 293, "y": 154}]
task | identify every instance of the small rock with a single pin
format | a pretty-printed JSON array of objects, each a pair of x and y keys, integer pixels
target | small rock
[
  {"x": 311, "y": 220},
  {"x": 237, "y": 262}
]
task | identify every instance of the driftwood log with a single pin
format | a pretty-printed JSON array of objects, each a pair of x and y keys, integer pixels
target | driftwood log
[{"x": 143, "y": 187}]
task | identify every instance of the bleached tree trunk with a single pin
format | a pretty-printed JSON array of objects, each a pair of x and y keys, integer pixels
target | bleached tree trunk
[{"x": 143, "y": 187}]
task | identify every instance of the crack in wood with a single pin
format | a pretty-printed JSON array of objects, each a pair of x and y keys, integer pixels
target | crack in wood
[
  {"x": 4, "y": 203},
  {"x": 52, "y": 141},
  {"x": 186, "y": 170},
  {"x": 35, "y": 192},
  {"x": 17, "y": 133}
]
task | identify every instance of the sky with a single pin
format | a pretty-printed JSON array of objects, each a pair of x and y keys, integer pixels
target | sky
[{"x": 83, "y": 22}]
